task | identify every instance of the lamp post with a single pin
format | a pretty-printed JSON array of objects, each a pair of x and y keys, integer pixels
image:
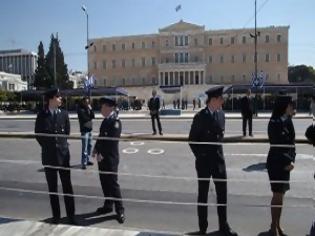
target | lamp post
[{"x": 88, "y": 45}]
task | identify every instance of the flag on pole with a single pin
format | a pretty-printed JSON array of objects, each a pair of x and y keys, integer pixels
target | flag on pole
[
  {"x": 89, "y": 83},
  {"x": 178, "y": 7}
]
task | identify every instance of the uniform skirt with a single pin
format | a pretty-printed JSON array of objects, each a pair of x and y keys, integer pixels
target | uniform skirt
[{"x": 279, "y": 174}]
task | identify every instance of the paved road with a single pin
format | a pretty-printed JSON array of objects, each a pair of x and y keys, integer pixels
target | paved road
[
  {"x": 249, "y": 191},
  {"x": 180, "y": 126}
]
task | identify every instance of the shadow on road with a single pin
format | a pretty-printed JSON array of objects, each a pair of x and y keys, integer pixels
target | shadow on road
[
  {"x": 92, "y": 218},
  {"x": 7, "y": 220},
  {"x": 256, "y": 167},
  {"x": 214, "y": 233}
]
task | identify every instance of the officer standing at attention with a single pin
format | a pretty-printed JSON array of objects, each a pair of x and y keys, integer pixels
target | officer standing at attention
[
  {"x": 247, "y": 113},
  {"x": 208, "y": 126},
  {"x": 154, "y": 107},
  {"x": 55, "y": 153},
  {"x": 107, "y": 154}
]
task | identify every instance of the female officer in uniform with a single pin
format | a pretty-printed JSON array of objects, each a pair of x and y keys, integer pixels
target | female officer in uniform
[{"x": 280, "y": 158}]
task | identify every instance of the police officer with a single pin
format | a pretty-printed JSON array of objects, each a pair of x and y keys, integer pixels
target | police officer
[
  {"x": 280, "y": 160},
  {"x": 247, "y": 113},
  {"x": 208, "y": 126},
  {"x": 107, "y": 154},
  {"x": 55, "y": 153}
]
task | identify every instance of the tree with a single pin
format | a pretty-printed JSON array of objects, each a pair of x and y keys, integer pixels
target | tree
[
  {"x": 42, "y": 79},
  {"x": 62, "y": 77},
  {"x": 301, "y": 74}
]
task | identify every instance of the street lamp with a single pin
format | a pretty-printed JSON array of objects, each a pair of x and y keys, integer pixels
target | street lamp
[{"x": 88, "y": 45}]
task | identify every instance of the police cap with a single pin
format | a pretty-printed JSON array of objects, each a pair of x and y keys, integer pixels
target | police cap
[
  {"x": 283, "y": 100},
  {"x": 49, "y": 94},
  {"x": 108, "y": 101},
  {"x": 216, "y": 91}
]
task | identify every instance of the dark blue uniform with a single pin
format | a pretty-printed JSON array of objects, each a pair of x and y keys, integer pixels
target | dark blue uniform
[
  {"x": 55, "y": 152},
  {"x": 109, "y": 149},
  {"x": 247, "y": 114},
  {"x": 154, "y": 106},
  {"x": 207, "y": 127},
  {"x": 280, "y": 131}
]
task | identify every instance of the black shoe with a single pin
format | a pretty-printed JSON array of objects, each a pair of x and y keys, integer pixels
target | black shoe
[
  {"x": 104, "y": 210},
  {"x": 72, "y": 220},
  {"x": 121, "y": 218},
  {"x": 55, "y": 220},
  {"x": 90, "y": 163},
  {"x": 227, "y": 231},
  {"x": 154, "y": 133},
  {"x": 200, "y": 232},
  {"x": 83, "y": 167},
  {"x": 161, "y": 133},
  {"x": 251, "y": 135}
]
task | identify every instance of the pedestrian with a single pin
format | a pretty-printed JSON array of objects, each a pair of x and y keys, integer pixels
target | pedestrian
[
  {"x": 55, "y": 153},
  {"x": 154, "y": 107},
  {"x": 247, "y": 113},
  {"x": 107, "y": 154},
  {"x": 280, "y": 159},
  {"x": 208, "y": 126},
  {"x": 174, "y": 104},
  {"x": 85, "y": 115},
  {"x": 178, "y": 104},
  {"x": 194, "y": 104}
]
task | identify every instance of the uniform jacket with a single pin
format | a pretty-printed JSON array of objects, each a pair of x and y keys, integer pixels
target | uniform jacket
[
  {"x": 247, "y": 106},
  {"x": 55, "y": 150},
  {"x": 154, "y": 105},
  {"x": 206, "y": 129},
  {"x": 109, "y": 149},
  {"x": 281, "y": 132},
  {"x": 85, "y": 116}
]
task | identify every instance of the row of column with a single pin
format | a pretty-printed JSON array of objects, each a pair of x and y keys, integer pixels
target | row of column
[
  {"x": 22, "y": 64},
  {"x": 176, "y": 78}
]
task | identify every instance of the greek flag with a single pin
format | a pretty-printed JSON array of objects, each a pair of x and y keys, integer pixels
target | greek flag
[
  {"x": 258, "y": 81},
  {"x": 178, "y": 8},
  {"x": 89, "y": 83}
]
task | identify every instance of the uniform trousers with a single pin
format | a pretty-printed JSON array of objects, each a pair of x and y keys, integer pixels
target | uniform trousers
[
  {"x": 207, "y": 168},
  {"x": 52, "y": 181}
]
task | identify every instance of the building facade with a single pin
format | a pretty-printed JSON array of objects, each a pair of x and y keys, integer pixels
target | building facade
[
  {"x": 19, "y": 61},
  {"x": 189, "y": 55},
  {"x": 12, "y": 82}
]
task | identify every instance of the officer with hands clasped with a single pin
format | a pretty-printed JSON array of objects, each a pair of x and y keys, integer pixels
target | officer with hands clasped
[
  {"x": 107, "y": 153},
  {"x": 208, "y": 126}
]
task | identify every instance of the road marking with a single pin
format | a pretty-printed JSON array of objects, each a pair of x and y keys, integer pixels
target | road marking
[
  {"x": 136, "y": 143},
  {"x": 156, "y": 151},
  {"x": 130, "y": 150}
]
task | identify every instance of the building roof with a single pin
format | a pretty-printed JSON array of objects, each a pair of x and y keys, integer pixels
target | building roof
[{"x": 181, "y": 26}]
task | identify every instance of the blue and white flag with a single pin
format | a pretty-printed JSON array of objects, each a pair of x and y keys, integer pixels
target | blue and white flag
[
  {"x": 178, "y": 7},
  {"x": 258, "y": 81},
  {"x": 89, "y": 83}
]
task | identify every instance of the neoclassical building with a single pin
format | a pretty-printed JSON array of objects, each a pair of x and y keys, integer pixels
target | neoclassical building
[{"x": 189, "y": 55}]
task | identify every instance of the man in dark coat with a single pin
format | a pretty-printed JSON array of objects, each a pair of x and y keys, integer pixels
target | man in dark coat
[
  {"x": 247, "y": 113},
  {"x": 55, "y": 153},
  {"x": 107, "y": 154},
  {"x": 208, "y": 126},
  {"x": 154, "y": 107},
  {"x": 85, "y": 115}
]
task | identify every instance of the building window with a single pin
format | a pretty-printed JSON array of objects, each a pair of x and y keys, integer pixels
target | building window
[
  {"x": 104, "y": 48},
  {"x": 104, "y": 64},
  {"x": 94, "y": 48},
  {"x": 153, "y": 44},
  {"x": 244, "y": 57},
  {"x": 113, "y": 47},
  {"x": 176, "y": 58},
  {"x": 221, "y": 40},
  {"x": 11, "y": 87},
  {"x": 181, "y": 41},
  {"x": 143, "y": 44},
  {"x": 210, "y": 59},
  {"x": 278, "y": 57},
  {"x": 181, "y": 58},
  {"x": 267, "y": 57},
  {"x": 221, "y": 59},
  {"x": 166, "y": 43},
  {"x": 95, "y": 65},
  {"x": 210, "y": 41},
  {"x": 196, "y": 42},
  {"x": 123, "y": 63},
  {"x": 232, "y": 40},
  {"x": 232, "y": 59},
  {"x": 123, "y": 46},
  {"x": 196, "y": 77},
  {"x": 176, "y": 40},
  {"x": 267, "y": 39},
  {"x": 278, "y": 38},
  {"x": 133, "y": 45},
  {"x": 186, "y": 40},
  {"x": 113, "y": 64},
  {"x": 244, "y": 77},
  {"x": 186, "y": 57},
  {"x": 167, "y": 60},
  {"x": 153, "y": 61},
  {"x": 244, "y": 39},
  {"x": 143, "y": 61},
  {"x": 133, "y": 62},
  {"x": 278, "y": 77}
]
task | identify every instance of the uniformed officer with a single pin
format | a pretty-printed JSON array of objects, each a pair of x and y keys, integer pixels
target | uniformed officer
[
  {"x": 154, "y": 107},
  {"x": 208, "y": 126},
  {"x": 247, "y": 113},
  {"x": 107, "y": 154},
  {"x": 280, "y": 159},
  {"x": 55, "y": 152}
]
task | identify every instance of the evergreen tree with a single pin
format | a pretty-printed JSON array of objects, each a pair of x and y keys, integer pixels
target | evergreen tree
[
  {"x": 42, "y": 79},
  {"x": 301, "y": 74},
  {"x": 62, "y": 77}
]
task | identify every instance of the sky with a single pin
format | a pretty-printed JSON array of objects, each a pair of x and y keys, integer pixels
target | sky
[{"x": 24, "y": 23}]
